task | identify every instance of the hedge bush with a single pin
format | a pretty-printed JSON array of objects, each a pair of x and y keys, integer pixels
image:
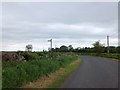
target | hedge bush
[
  {"x": 110, "y": 55},
  {"x": 16, "y": 74}
]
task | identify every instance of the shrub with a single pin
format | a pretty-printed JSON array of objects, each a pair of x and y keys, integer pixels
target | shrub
[
  {"x": 17, "y": 74},
  {"x": 28, "y": 55}
]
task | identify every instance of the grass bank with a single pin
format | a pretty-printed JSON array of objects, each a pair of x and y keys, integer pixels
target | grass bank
[
  {"x": 114, "y": 56},
  {"x": 16, "y": 74},
  {"x": 65, "y": 72},
  {"x": 55, "y": 79}
]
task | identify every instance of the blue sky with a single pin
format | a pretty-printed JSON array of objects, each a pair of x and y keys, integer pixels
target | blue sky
[{"x": 68, "y": 23}]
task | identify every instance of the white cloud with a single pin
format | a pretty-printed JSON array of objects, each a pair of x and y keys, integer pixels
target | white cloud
[
  {"x": 79, "y": 24},
  {"x": 60, "y": 1}
]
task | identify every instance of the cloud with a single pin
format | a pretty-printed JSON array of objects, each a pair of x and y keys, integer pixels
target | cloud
[{"x": 67, "y": 23}]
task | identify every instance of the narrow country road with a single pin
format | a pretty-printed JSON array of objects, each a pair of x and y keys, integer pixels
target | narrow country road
[{"x": 94, "y": 72}]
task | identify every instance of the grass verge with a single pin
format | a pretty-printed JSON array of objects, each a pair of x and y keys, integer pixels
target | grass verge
[
  {"x": 112, "y": 57},
  {"x": 107, "y": 58},
  {"x": 17, "y": 74},
  {"x": 54, "y": 80},
  {"x": 65, "y": 73}
]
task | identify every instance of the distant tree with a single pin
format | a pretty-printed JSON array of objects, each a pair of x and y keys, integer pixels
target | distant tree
[
  {"x": 112, "y": 49},
  {"x": 29, "y": 47},
  {"x": 98, "y": 47},
  {"x": 70, "y": 48},
  {"x": 52, "y": 49},
  {"x": 86, "y": 49},
  {"x": 57, "y": 49},
  {"x": 63, "y": 48},
  {"x": 118, "y": 49},
  {"x": 105, "y": 50},
  {"x": 77, "y": 49}
]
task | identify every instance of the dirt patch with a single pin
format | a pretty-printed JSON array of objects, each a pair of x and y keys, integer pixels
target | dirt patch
[
  {"x": 44, "y": 81},
  {"x": 115, "y": 60},
  {"x": 11, "y": 56}
]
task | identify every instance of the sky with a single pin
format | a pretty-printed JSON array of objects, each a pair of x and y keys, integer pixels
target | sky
[{"x": 79, "y": 24}]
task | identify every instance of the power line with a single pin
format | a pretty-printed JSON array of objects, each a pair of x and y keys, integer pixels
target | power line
[{"x": 114, "y": 34}]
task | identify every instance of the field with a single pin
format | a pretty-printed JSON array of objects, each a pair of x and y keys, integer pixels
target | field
[
  {"x": 35, "y": 65},
  {"x": 113, "y": 56},
  {"x": 110, "y": 55}
]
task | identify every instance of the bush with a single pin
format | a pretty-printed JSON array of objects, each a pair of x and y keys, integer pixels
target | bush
[
  {"x": 114, "y": 56},
  {"x": 16, "y": 74},
  {"x": 29, "y": 55},
  {"x": 110, "y": 55}
]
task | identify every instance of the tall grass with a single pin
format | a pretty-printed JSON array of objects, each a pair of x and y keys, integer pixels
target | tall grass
[
  {"x": 114, "y": 56},
  {"x": 16, "y": 74},
  {"x": 110, "y": 55}
]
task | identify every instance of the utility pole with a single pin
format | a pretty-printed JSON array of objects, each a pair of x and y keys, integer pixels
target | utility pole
[
  {"x": 55, "y": 46},
  {"x": 108, "y": 44},
  {"x": 50, "y": 44}
]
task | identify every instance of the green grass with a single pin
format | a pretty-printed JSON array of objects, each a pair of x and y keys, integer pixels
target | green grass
[
  {"x": 110, "y": 55},
  {"x": 113, "y": 56},
  {"x": 68, "y": 69},
  {"x": 0, "y": 75},
  {"x": 16, "y": 74}
]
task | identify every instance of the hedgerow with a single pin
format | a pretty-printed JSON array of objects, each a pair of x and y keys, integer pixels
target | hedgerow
[
  {"x": 16, "y": 74},
  {"x": 110, "y": 55}
]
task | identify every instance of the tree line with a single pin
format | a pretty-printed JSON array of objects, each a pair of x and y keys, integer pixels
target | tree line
[{"x": 97, "y": 48}]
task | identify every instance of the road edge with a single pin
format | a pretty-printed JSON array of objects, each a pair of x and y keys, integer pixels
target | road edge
[
  {"x": 55, "y": 79},
  {"x": 67, "y": 71}
]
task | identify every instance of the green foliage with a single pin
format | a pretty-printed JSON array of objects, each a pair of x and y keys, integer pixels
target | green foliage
[
  {"x": 15, "y": 74},
  {"x": 118, "y": 49},
  {"x": 38, "y": 55},
  {"x": 110, "y": 55},
  {"x": 98, "y": 47},
  {"x": 31, "y": 55},
  {"x": 114, "y": 56},
  {"x": 63, "y": 48},
  {"x": 70, "y": 48}
]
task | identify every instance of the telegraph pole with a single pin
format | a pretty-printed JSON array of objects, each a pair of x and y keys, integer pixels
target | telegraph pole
[
  {"x": 50, "y": 44},
  {"x": 108, "y": 44}
]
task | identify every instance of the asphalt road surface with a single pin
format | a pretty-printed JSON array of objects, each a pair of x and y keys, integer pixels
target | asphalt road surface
[{"x": 94, "y": 72}]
